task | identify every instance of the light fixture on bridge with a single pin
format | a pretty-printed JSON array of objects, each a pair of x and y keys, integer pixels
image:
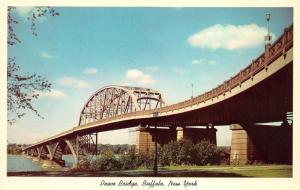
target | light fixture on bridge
[
  {"x": 268, "y": 16},
  {"x": 268, "y": 37},
  {"x": 155, "y": 114}
]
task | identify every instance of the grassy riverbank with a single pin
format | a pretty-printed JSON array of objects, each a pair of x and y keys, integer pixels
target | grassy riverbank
[{"x": 178, "y": 171}]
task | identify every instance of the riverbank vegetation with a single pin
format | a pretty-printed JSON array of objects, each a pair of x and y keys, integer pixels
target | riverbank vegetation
[
  {"x": 174, "y": 153},
  {"x": 15, "y": 148}
]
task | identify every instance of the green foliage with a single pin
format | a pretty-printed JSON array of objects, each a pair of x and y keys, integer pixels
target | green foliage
[
  {"x": 15, "y": 148},
  {"x": 145, "y": 160},
  {"x": 134, "y": 161},
  {"x": 106, "y": 161},
  {"x": 206, "y": 153},
  {"x": 168, "y": 154},
  {"x": 84, "y": 164},
  {"x": 225, "y": 155},
  {"x": 128, "y": 161},
  {"x": 185, "y": 152},
  {"x": 117, "y": 149}
]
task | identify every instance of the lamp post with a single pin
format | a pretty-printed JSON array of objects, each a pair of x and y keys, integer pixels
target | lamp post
[
  {"x": 155, "y": 115},
  {"x": 268, "y": 37}
]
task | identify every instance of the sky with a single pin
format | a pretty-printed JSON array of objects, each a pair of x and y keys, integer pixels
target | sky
[{"x": 167, "y": 49}]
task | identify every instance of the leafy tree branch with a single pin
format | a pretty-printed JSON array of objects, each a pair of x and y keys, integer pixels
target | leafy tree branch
[{"x": 21, "y": 88}]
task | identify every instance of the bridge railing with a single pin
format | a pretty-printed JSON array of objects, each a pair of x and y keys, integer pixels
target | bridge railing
[{"x": 279, "y": 47}]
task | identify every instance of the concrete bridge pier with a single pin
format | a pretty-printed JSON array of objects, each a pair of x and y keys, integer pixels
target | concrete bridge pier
[
  {"x": 144, "y": 143},
  {"x": 197, "y": 134},
  {"x": 261, "y": 143},
  {"x": 145, "y": 136},
  {"x": 242, "y": 148}
]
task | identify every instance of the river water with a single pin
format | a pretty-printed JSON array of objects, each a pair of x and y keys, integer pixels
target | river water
[{"x": 18, "y": 163}]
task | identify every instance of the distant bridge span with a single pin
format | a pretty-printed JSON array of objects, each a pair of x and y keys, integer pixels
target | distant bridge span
[
  {"x": 111, "y": 101},
  {"x": 261, "y": 92}
]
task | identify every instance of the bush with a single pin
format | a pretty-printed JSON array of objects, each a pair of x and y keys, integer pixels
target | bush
[
  {"x": 184, "y": 152},
  {"x": 84, "y": 164},
  {"x": 145, "y": 160},
  {"x": 106, "y": 161},
  {"x": 206, "y": 153},
  {"x": 168, "y": 154},
  {"x": 128, "y": 161},
  {"x": 133, "y": 160},
  {"x": 225, "y": 155}
]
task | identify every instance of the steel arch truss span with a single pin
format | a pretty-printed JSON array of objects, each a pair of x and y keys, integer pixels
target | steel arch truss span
[{"x": 116, "y": 100}]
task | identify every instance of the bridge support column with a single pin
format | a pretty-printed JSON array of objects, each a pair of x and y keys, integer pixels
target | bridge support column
[
  {"x": 180, "y": 133},
  {"x": 145, "y": 138},
  {"x": 144, "y": 143},
  {"x": 243, "y": 150},
  {"x": 264, "y": 143},
  {"x": 197, "y": 134},
  {"x": 31, "y": 152}
]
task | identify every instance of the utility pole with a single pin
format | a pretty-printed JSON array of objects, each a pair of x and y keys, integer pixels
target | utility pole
[
  {"x": 155, "y": 115},
  {"x": 96, "y": 144}
]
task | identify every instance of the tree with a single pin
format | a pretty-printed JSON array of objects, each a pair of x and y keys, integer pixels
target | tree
[
  {"x": 168, "y": 153},
  {"x": 36, "y": 13},
  {"x": 187, "y": 153},
  {"x": 21, "y": 88},
  {"x": 206, "y": 153}
]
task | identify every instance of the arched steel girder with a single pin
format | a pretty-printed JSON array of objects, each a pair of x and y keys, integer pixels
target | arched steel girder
[
  {"x": 43, "y": 151},
  {"x": 116, "y": 100}
]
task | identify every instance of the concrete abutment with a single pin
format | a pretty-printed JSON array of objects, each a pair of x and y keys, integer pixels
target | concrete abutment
[
  {"x": 261, "y": 143},
  {"x": 145, "y": 136}
]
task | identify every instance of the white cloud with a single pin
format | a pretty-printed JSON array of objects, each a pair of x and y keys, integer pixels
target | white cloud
[
  {"x": 46, "y": 55},
  {"x": 73, "y": 82},
  {"x": 139, "y": 77},
  {"x": 54, "y": 93},
  {"x": 24, "y": 12},
  {"x": 90, "y": 71},
  {"x": 154, "y": 69},
  {"x": 197, "y": 61},
  {"x": 212, "y": 62},
  {"x": 229, "y": 37},
  {"x": 178, "y": 71},
  {"x": 203, "y": 61}
]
